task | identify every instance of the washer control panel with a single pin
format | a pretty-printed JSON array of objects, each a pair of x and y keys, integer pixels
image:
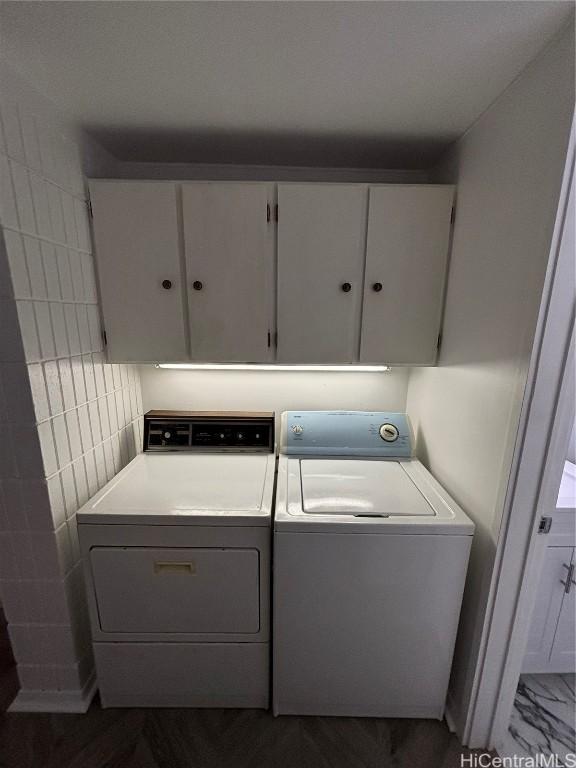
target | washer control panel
[{"x": 346, "y": 433}]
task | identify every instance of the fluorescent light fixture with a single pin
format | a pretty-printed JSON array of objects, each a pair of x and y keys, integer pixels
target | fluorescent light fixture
[{"x": 259, "y": 367}]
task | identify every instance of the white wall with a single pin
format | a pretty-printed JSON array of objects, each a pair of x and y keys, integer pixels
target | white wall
[
  {"x": 199, "y": 171},
  {"x": 272, "y": 390},
  {"x": 508, "y": 168},
  {"x": 69, "y": 422}
]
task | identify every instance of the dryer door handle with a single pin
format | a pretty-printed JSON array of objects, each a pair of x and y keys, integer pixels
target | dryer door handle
[{"x": 170, "y": 566}]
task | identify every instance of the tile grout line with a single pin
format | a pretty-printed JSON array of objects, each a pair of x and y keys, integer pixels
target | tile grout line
[
  {"x": 24, "y": 164},
  {"x": 43, "y": 238}
]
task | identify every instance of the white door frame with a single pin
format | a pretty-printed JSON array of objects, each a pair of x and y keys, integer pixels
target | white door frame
[{"x": 541, "y": 446}]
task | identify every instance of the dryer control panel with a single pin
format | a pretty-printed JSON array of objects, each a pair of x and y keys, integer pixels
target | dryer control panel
[
  {"x": 346, "y": 433},
  {"x": 208, "y": 431}
]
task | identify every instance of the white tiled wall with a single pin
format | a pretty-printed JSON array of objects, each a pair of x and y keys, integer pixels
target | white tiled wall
[{"x": 68, "y": 421}]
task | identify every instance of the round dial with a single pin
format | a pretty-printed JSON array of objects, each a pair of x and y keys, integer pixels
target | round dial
[
  {"x": 389, "y": 433},
  {"x": 297, "y": 429}
]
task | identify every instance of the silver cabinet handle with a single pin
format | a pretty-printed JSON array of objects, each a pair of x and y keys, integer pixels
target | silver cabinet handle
[{"x": 569, "y": 577}]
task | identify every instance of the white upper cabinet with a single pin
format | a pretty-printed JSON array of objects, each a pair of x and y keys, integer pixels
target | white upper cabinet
[
  {"x": 321, "y": 242},
  {"x": 229, "y": 246},
  {"x": 137, "y": 249},
  {"x": 257, "y": 272},
  {"x": 406, "y": 261}
]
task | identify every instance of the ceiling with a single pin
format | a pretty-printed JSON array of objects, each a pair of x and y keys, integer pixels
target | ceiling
[{"x": 357, "y": 84}]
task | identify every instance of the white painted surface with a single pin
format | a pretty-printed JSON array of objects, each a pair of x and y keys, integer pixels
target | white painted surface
[
  {"x": 229, "y": 242},
  {"x": 551, "y": 644},
  {"x": 562, "y": 532},
  {"x": 69, "y": 420},
  {"x": 344, "y": 84},
  {"x": 272, "y": 390},
  {"x": 296, "y": 173},
  {"x": 355, "y": 487},
  {"x": 537, "y": 468},
  {"x": 163, "y": 637},
  {"x": 563, "y": 656},
  {"x": 176, "y": 550},
  {"x": 266, "y": 282},
  {"x": 364, "y": 625},
  {"x": 508, "y": 169},
  {"x": 137, "y": 246},
  {"x": 365, "y": 607},
  {"x": 321, "y": 247},
  {"x": 407, "y": 254},
  {"x": 71, "y": 702},
  {"x": 144, "y": 537},
  {"x": 187, "y": 489},
  {"x": 177, "y": 589},
  {"x": 199, "y": 674},
  {"x": 447, "y": 517}
]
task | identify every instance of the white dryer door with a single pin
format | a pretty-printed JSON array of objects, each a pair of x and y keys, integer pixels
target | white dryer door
[
  {"x": 189, "y": 589},
  {"x": 360, "y": 487}
]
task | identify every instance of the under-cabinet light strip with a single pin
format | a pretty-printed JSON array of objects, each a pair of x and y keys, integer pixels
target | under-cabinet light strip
[{"x": 258, "y": 367}]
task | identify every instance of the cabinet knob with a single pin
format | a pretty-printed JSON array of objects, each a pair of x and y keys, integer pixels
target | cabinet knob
[
  {"x": 377, "y": 287},
  {"x": 346, "y": 287},
  {"x": 197, "y": 285},
  {"x": 167, "y": 284}
]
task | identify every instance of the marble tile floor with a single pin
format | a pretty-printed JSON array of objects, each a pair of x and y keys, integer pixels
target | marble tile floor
[
  {"x": 543, "y": 718},
  {"x": 195, "y": 738}
]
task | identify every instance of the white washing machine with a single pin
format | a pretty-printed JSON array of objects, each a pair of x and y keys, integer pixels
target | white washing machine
[
  {"x": 370, "y": 559},
  {"x": 176, "y": 554}
]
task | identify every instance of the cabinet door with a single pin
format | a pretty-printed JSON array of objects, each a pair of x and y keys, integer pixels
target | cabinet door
[
  {"x": 136, "y": 240},
  {"x": 563, "y": 656},
  {"x": 406, "y": 260},
  {"x": 321, "y": 242},
  {"x": 229, "y": 245},
  {"x": 547, "y": 610}
]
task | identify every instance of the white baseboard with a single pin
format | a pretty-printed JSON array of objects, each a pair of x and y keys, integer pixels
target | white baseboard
[
  {"x": 449, "y": 721},
  {"x": 449, "y": 715},
  {"x": 55, "y": 701}
]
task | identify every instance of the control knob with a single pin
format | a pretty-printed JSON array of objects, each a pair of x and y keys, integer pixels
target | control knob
[{"x": 389, "y": 433}]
